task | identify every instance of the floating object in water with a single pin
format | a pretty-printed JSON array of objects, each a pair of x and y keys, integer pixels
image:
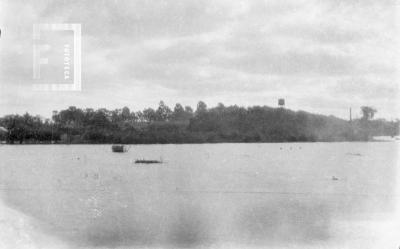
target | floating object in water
[
  {"x": 353, "y": 154},
  {"x": 119, "y": 148},
  {"x": 334, "y": 178},
  {"x": 147, "y": 161}
]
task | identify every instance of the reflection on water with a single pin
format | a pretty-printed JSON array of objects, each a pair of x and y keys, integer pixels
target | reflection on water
[
  {"x": 289, "y": 221},
  {"x": 241, "y": 194}
]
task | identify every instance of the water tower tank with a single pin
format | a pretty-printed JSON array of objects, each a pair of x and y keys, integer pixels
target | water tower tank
[{"x": 281, "y": 102}]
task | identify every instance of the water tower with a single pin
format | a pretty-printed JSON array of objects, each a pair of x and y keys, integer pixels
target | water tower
[{"x": 281, "y": 103}]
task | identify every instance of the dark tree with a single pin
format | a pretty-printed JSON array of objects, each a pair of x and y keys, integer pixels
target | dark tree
[
  {"x": 368, "y": 112},
  {"x": 149, "y": 115},
  {"x": 163, "y": 112},
  {"x": 178, "y": 113},
  {"x": 126, "y": 113},
  {"x": 201, "y": 107}
]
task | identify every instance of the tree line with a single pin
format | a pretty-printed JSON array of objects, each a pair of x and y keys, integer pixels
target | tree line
[{"x": 185, "y": 125}]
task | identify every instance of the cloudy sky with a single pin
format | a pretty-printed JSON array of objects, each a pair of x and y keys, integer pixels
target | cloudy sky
[{"x": 322, "y": 56}]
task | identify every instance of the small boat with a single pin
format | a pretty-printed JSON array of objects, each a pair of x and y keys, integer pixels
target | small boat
[
  {"x": 148, "y": 161},
  {"x": 119, "y": 148}
]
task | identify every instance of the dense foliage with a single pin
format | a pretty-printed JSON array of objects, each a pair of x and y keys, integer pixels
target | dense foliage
[{"x": 183, "y": 125}]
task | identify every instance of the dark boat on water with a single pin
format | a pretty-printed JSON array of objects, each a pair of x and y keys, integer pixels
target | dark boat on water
[
  {"x": 119, "y": 148},
  {"x": 147, "y": 161}
]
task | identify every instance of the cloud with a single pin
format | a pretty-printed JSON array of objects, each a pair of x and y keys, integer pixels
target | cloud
[
  {"x": 367, "y": 89},
  {"x": 326, "y": 34},
  {"x": 241, "y": 52},
  {"x": 133, "y": 21},
  {"x": 290, "y": 63}
]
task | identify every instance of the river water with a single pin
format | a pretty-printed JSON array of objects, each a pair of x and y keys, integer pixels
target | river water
[{"x": 281, "y": 195}]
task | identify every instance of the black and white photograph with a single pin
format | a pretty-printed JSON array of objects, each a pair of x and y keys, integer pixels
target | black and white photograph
[{"x": 199, "y": 124}]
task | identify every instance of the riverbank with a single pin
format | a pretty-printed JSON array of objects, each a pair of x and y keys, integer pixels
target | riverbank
[
  {"x": 373, "y": 140},
  {"x": 231, "y": 124}
]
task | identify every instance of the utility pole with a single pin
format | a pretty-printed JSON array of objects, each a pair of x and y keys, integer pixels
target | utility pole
[{"x": 350, "y": 115}]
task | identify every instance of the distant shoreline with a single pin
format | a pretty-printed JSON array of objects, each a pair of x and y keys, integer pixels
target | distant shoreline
[
  {"x": 295, "y": 142},
  {"x": 183, "y": 125}
]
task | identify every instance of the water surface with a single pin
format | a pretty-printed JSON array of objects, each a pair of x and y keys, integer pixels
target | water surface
[{"x": 300, "y": 195}]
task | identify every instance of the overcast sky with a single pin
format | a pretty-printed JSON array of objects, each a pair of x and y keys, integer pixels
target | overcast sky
[{"x": 321, "y": 56}]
